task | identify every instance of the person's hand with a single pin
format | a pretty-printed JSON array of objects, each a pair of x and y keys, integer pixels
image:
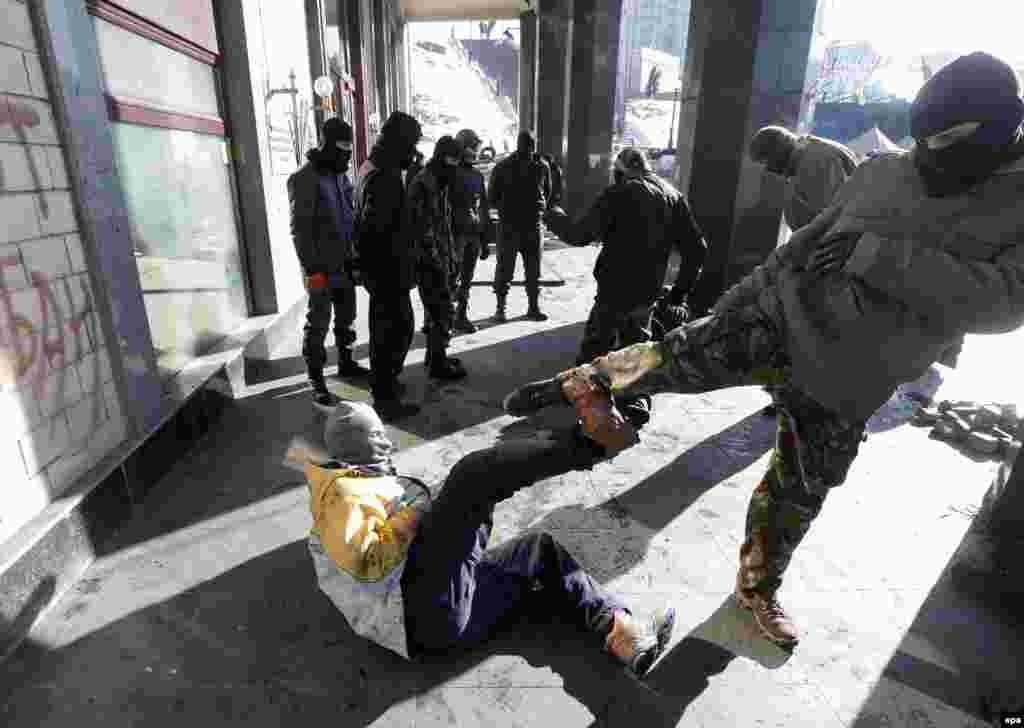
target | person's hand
[
  {"x": 301, "y": 453},
  {"x": 832, "y": 254}
]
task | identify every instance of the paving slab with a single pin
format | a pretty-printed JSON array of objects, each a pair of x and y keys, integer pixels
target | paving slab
[{"x": 205, "y": 609}]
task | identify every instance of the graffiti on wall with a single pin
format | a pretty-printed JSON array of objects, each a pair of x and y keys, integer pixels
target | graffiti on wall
[
  {"x": 19, "y": 117},
  {"x": 33, "y": 348}
]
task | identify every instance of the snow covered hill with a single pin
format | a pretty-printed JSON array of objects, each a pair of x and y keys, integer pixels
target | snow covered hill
[{"x": 450, "y": 94}]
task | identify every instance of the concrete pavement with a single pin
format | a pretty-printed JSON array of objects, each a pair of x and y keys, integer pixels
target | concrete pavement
[{"x": 205, "y": 610}]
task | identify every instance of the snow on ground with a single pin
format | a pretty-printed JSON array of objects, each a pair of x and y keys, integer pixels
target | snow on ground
[
  {"x": 450, "y": 94},
  {"x": 648, "y": 122}
]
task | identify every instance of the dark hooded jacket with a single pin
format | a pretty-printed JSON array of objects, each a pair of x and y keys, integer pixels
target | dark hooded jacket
[
  {"x": 386, "y": 255},
  {"x": 640, "y": 222},
  {"x": 321, "y": 217},
  {"x": 521, "y": 190}
]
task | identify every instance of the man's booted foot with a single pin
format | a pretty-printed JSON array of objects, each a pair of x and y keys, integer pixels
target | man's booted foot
[
  {"x": 534, "y": 313},
  {"x": 393, "y": 409},
  {"x": 462, "y": 323},
  {"x": 348, "y": 368},
  {"x": 638, "y": 645},
  {"x": 771, "y": 618},
  {"x": 324, "y": 399},
  {"x": 499, "y": 316},
  {"x": 534, "y": 396},
  {"x": 447, "y": 368}
]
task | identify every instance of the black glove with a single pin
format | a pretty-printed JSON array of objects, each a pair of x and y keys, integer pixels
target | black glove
[
  {"x": 558, "y": 222},
  {"x": 832, "y": 254},
  {"x": 667, "y": 315}
]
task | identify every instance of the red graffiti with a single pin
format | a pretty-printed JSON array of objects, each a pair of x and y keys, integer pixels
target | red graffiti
[
  {"x": 21, "y": 117},
  {"x": 17, "y": 114},
  {"x": 30, "y": 350}
]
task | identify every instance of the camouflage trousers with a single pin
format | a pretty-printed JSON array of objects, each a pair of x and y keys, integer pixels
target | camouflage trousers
[{"x": 814, "y": 447}]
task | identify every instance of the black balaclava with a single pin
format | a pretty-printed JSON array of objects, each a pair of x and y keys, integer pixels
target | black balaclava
[
  {"x": 446, "y": 147},
  {"x": 330, "y": 156},
  {"x": 398, "y": 138},
  {"x": 973, "y": 88},
  {"x": 526, "y": 144}
]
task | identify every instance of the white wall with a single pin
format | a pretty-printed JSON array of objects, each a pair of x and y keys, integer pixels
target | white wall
[{"x": 59, "y": 409}]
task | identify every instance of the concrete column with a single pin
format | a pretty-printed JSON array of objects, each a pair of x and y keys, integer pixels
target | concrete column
[
  {"x": 380, "y": 65},
  {"x": 553, "y": 66},
  {"x": 356, "y": 54},
  {"x": 315, "y": 23},
  {"x": 243, "y": 121},
  {"x": 592, "y": 100},
  {"x": 746, "y": 63},
  {"x": 528, "y": 71}
]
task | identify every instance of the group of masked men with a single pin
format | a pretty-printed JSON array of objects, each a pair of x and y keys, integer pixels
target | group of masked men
[
  {"x": 406, "y": 225},
  {"x": 914, "y": 251}
]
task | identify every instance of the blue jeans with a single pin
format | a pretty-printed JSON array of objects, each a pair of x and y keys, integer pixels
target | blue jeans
[{"x": 456, "y": 592}]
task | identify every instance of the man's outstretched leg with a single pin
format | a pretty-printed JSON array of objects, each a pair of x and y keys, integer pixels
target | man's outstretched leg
[
  {"x": 813, "y": 452},
  {"x": 455, "y": 593}
]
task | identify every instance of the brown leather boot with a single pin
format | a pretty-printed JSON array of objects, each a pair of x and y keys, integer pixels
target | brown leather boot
[{"x": 771, "y": 618}]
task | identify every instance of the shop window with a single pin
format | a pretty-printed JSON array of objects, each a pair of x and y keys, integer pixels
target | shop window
[{"x": 172, "y": 162}]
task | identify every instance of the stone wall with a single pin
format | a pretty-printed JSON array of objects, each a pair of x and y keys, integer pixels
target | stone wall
[{"x": 58, "y": 402}]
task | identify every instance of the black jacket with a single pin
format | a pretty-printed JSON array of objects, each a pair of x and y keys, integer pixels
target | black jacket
[
  {"x": 386, "y": 256},
  {"x": 639, "y": 222},
  {"x": 521, "y": 190},
  {"x": 321, "y": 218},
  {"x": 470, "y": 207}
]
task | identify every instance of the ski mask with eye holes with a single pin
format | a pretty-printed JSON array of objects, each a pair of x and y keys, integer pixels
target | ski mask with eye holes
[{"x": 966, "y": 123}]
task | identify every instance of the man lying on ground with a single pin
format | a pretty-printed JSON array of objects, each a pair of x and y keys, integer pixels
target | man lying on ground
[{"x": 413, "y": 573}]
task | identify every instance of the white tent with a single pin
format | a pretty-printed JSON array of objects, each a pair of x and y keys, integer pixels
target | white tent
[{"x": 872, "y": 142}]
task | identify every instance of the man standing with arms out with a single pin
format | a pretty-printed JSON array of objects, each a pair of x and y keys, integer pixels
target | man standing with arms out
[
  {"x": 387, "y": 259},
  {"x": 814, "y": 169},
  {"x": 640, "y": 219},
  {"x": 472, "y": 213},
  {"x": 430, "y": 220},
  {"x": 320, "y": 197},
  {"x": 520, "y": 190},
  {"x": 917, "y": 250}
]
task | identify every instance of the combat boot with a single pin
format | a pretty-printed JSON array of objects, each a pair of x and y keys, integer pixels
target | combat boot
[
  {"x": 499, "y": 313},
  {"x": 462, "y": 322},
  {"x": 771, "y": 618},
  {"x": 533, "y": 312}
]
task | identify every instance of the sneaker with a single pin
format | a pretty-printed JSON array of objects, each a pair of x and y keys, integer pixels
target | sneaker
[
  {"x": 394, "y": 409},
  {"x": 324, "y": 399},
  {"x": 637, "y": 645},
  {"x": 534, "y": 396},
  {"x": 771, "y": 618}
]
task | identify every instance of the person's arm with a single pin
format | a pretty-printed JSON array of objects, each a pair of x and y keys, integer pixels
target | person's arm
[
  {"x": 957, "y": 292},
  {"x": 794, "y": 252},
  {"x": 302, "y": 198},
  {"x": 497, "y": 187},
  {"x": 420, "y": 229},
  {"x": 592, "y": 226},
  {"x": 692, "y": 248}
]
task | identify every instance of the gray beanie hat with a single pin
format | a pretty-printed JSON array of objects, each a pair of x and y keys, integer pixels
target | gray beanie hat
[{"x": 355, "y": 435}]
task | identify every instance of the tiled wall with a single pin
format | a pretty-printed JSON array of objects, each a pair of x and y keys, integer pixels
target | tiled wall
[{"x": 58, "y": 403}]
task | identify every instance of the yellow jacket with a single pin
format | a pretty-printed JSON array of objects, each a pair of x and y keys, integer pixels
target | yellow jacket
[{"x": 363, "y": 521}]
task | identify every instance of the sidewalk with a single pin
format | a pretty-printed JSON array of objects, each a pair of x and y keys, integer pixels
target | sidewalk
[{"x": 204, "y": 611}]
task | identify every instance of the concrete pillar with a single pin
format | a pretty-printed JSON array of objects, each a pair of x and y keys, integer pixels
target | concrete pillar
[
  {"x": 315, "y": 23},
  {"x": 356, "y": 54},
  {"x": 528, "y": 71},
  {"x": 380, "y": 66},
  {"x": 592, "y": 100},
  {"x": 553, "y": 56},
  {"x": 746, "y": 63}
]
